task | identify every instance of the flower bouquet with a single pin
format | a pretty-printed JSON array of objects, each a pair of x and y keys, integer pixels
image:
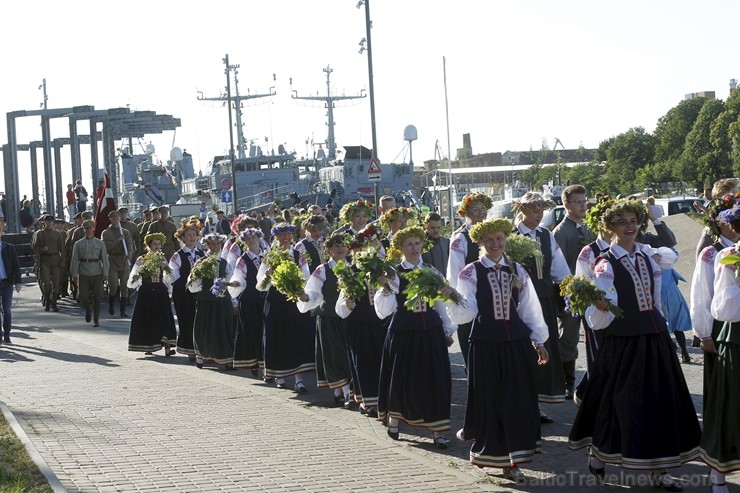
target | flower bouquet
[
  {"x": 275, "y": 257},
  {"x": 580, "y": 292},
  {"x": 151, "y": 263},
  {"x": 371, "y": 265},
  {"x": 350, "y": 282},
  {"x": 288, "y": 280},
  {"x": 204, "y": 268},
  {"x": 219, "y": 287},
  {"x": 733, "y": 259},
  {"x": 424, "y": 284},
  {"x": 521, "y": 248}
]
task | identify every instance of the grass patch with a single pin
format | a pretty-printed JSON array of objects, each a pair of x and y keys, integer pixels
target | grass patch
[{"x": 18, "y": 473}]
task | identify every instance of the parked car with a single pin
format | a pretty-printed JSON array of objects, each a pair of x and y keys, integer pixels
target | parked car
[
  {"x": 677, "y": 205},
  {"x": 552, "y": 217}
]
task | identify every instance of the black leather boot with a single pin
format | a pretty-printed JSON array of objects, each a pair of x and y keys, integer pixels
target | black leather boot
[
  {"x": 124, "y": 304},
  {"x": 111, "y": 308},
  {"x": 569, "y": 370}
]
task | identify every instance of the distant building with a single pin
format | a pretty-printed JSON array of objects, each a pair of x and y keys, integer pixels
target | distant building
[
  {"x": 702, "y": 94},
  {"x": 733, "y": 85}
]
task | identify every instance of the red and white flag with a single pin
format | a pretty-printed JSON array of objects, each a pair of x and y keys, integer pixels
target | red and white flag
[{"x": 106, "y": 204}]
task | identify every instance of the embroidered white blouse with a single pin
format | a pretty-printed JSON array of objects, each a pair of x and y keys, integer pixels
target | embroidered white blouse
[
  {"x": 725, "y": 304},
  {"x": 702, "y": 289}
]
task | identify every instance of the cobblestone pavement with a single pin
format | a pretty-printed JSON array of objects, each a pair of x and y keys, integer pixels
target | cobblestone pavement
[{"x": 105, "y": 419}]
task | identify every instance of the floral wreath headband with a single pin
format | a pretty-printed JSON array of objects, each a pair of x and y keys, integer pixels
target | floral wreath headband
[
  {"x": 593, "y": 216},
  {"x": 283, "y": 228},
  {"x": 238, "y": 223},
  {"x": 483, "y": 228},
  {"x": 314, "y": 222},
  {"x": 392, "y": 215},
  {"x": 472, "y": 198},
  {"x": 351, "y": 209},
  {"x": 249, "y": 232},
  {"x": 532, "y": 200},
  {"x": 337, "y": 238},
  {"x": 211, "y": 237},
  {"x": 612, "y": 214},
  {"x": 712, "y": 218},
  {"x": 405, "y": 234},
  {"x": 188, "y": 224},
  {"x": 730, "y": 217},
  {"x": 155, "y": 236}
]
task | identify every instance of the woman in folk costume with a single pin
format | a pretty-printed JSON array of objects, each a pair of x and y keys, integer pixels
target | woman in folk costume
[
  {"x": 415, "y": 379},
  {"x": 321, "y": 294},
  {"x": 545, "y": 274},
  {"x": 365, "y": 334},
  {"x": 394, "y": 220},
  {"x": 702, "y": 282},
  {"x": 720, "y": 441},
  {"x": 152, "y": 323},
  {"x": 507, "y": 343},
  {"x": 250, "y": 327},
  {"x": 636, "y": 400},
  {"x": 464, "y": 251},
  {"x": 234, "y": 247},
  {"x": 181, "y": 264},
  {"x": 310, "y": 245},
  {"x": 289, "y": 334},
  {"x": 213, "y": 325}
]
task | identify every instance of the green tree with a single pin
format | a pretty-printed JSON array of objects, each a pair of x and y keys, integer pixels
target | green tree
[
  {"x": 672, "y": 128},
  {"x": 696, "y": 165},
  {"x": 589, "y": 175}
]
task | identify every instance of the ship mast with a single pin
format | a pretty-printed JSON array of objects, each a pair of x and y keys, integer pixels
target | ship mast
[
  {"x": 237, "y": 99},
  {"x": 329, "y": 102}
]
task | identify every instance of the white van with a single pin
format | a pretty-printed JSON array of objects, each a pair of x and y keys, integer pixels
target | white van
[{"x": 677, "y": 205}]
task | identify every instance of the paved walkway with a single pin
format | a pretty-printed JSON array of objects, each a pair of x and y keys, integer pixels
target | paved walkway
[{"x": 105, "y": 419}]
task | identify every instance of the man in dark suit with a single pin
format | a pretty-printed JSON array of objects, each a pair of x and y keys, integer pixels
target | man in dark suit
[
  {"x": 221, "y": 225},
  {"x": 439, "y": 253},
  {"x": 572, "y": 235},
  {"x": 10, "y": 277}
]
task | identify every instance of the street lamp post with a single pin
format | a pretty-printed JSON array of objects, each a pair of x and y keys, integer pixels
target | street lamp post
[{"x": 366, "y": 44}]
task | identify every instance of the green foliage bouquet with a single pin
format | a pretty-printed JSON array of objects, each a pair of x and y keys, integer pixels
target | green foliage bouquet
[
  {"x": 274, "y": 258},
  {"x": 733, "y": 259},
  {"x": 351, "y": 282},
  {"x": 204, "y": 268},
  {"x": 371, "y": 265},
  {"x": 521, "y": 248},
  {"x": 424, "y": 284},
  {"x": 580, "y": 292},
  {"x": 288, "y": 280},
  {"x": 151, "y": 263}
]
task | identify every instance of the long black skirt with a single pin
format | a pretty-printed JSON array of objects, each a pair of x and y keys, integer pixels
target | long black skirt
[
  {"x": 720, "y": 441},
  {"x": 501, "y": 413},
  {"x": 185, "y": 310},
  {"x": 152, "y": 323},
  {"x": 637, "y": 411},
  {"x": 249, "y": 334},
  {"x": 415, "y": 379},
  {"x": 366, "y": 336},
  {"x": 332, "y": 356},
  {"x": 289, "y": 338},
  {"x": 213, "y": 328},
  {"x": 549, "y": 377}
]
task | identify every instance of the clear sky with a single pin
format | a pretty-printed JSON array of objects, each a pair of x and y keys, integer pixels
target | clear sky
[{"x": 518, "y": 71}]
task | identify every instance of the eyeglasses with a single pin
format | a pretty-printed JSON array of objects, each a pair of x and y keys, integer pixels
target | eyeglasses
[{"x": 578, "y": 202}]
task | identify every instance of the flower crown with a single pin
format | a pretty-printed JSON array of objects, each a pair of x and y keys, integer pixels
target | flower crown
[
  {"x": 249, "y": 232},
  {"x": 483, "y": 228},
  {"x": 283, "y": 228},
  {"x": 337, "y": 237},
  {"x": 351, "y": 209},
  {"x": 187, "y": 224},
  {"x": 593, "y": 216},
  {"x": 212, "y": 237},
  {"x": 392, "y": 215},
  {"x": 405, "y": 234},
  {"x": 155, "y": 236},
  {"x": 730, "y": 216},
  {"x": 471, "y": 198},
  {"x": 236, "y": 224},
  {"x": 313, "y": 221},
  {"x": 712, "y": 218},
  {"x": 612, "y": 214},
  {"x": 532, "y": 200}
]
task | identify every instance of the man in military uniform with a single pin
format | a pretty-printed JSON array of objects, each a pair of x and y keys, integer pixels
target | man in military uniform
[
  {"x": 133, "y": 231},
  {"x": 49, "y": 246},
  {"x": 89, "y": 267},
  {"x": 73, "y": 236},
  {"x": 119, "y": 246},
  {"x": 167, "y": 228},
  {"x": 144, "y": 227}
]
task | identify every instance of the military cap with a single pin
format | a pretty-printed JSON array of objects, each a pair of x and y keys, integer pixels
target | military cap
[
  {"x": 163, "y": 208},
  {"x": 78, "y": 215},
  {"x": 113, "y": 214}
]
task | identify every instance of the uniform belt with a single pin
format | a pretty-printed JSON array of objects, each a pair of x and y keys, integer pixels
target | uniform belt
[{"x": 89, "y": 260}]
